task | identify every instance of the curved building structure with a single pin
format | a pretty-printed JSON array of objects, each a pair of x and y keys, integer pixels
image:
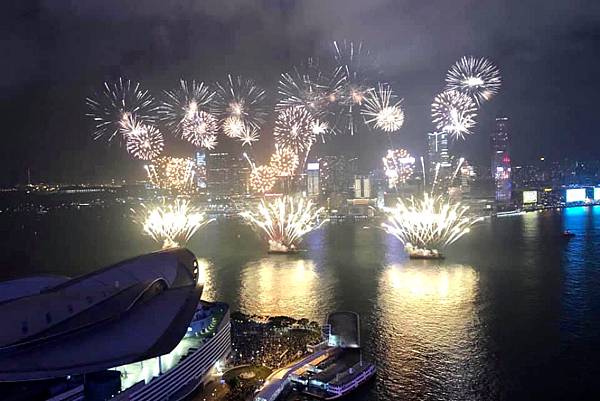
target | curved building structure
[{"x": 132, "y": 311}]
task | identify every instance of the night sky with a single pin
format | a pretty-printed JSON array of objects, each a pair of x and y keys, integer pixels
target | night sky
[{"x": 55, "y": 53}]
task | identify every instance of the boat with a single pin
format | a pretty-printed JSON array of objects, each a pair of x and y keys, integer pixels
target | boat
[
  {"x": 422, "y": 253},
  {"x": 277, "y": 248},
  {"x": 568, "y": 234}
]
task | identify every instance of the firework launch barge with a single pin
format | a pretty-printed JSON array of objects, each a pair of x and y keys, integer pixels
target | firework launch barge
[{"x": 421, "y": 253}]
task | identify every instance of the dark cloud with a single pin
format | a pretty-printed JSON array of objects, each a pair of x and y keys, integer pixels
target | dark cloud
[{"x": 57, "y": 51}]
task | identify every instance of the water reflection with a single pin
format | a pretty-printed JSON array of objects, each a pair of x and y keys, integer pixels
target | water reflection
[
  {"x": 281, "y": 285},
  {"x": 428, "y": 330},
  {"x": 205, "y": 277}
]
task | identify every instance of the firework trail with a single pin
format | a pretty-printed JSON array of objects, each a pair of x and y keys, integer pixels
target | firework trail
[
  {"x": 306, "y": 86},
  {"x": 381, "y": 110},
  {"x": 119, "y": 101},
  {"x": 284, "y": 221},
  {"x": 240, "y": 99},
  {"x": 171, "y": 224},
  {"x": 475, "y": 77},
  {"x": 350, "y": 84},
  {"x": 454, "y": 112}
]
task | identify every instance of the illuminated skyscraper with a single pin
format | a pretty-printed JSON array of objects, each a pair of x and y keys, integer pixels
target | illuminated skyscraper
[
  {"x": 201, "y": 170},
  {"x": 437, "y": 152},
  {"x": 312, "y": 179},
  {"x": 226, "y": 174},
  {"x": 501, "y": 170}
]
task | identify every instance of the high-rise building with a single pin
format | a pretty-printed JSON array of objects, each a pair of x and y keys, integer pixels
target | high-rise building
[
  {"x": 312, "y": 179},
  {"x": 438, "y": 153},
  {"x": 227, "y": 174},
  {"x": 200, "y": 175},
  {"x": 336, "y": 179},
  {"x": 337, "y": 174},
  {"x": 501, "y": 169},
  {"x": 362, "y": 186}
]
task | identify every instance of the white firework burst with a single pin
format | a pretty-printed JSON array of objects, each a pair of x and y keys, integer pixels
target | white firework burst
[
  {"x": 320, "y": 129},
  {"x": 294, "y": 129},
  {"x": 350, "y": 85},
  {"x": 233, "y": 127},
  {"x": 382, "y": 111},
  {"x": 200, "y": 128},
  {"x": 120, "y": 100},
  {"x": 306, "y": 86},
  {"x": 209, "y": 142},
  {"x": 184, "y": 104},
  {"x": 249, "y": 135},
  {"x": 241, "y": 98},
  {"x": 144, "y": 142},
  {"x": 476, "y": 77},
  {"x": 454, "y": 112}
]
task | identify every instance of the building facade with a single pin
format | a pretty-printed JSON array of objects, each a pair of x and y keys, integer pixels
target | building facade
[
  {"x": 438, "y": 153},
  {"x": 226, "y": 174},
  {"x": 501, "y": 164}
]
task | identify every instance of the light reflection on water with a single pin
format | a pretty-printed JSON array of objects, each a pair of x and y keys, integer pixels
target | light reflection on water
[
  {"x": 279, "y": 285},
  {"x": 427, "y": 326},
  {"x": 513, "y": 313}
]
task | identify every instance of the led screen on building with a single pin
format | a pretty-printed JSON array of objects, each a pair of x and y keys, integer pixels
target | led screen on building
[
  {"x": 597, "y": 194},
  {"x": 575, "y": 195},
  {"x": 529, "y": 197}
]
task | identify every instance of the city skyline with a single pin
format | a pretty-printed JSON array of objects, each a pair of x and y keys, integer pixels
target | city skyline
[{"x": 58, "y": 136}]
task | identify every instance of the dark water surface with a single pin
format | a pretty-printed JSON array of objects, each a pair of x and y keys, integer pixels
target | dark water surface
[{"x": 513, "y": 313}]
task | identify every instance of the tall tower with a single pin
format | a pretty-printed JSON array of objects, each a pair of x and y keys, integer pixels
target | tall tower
[
  {"x": 438, "y": 153},
  {"x": 501, "y": 170}
]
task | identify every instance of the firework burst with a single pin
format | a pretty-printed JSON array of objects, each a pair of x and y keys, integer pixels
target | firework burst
[
  {"x": 144, "y": 142},
  {"x": 200, "y": 129},
  {"x": 284, "y": 221},
  {"x": 382, "y": 111},
  {"x": 242, "y": 99},
  {"x": 183, "y": 104},
  {"x": 350, "y": 85},
  {"x": 119, "y": 101},
  {"x": 454, "y": 112},
  {"x": 171, "y": 173},
  {"x": 306, "y": 86},
  {"x": 234, "y": 127},
  {"x": 398, "y": 165},
  {"x": 262, "y": 179},
  {"x": 294, "y": 129},
  {"x": 476, "y": 77},
  {"x": 249, "y": 135},
  {"x": 428, "y": 224},
  {"x": 171, "y": 224},
  {"x": 284, "y": 162}
]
